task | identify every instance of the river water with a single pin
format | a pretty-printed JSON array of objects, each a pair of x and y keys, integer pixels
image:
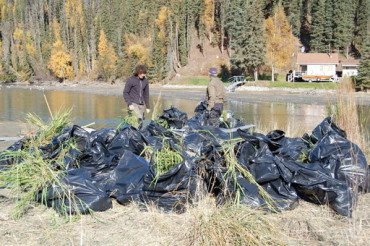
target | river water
[{"x": 106, "y": 111}]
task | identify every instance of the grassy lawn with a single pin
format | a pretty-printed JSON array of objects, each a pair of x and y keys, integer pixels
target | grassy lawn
[
  {"x": 203, "y": 80},
  {"x": 193, "y": 80},
  {"x": 281, "y": 84}
]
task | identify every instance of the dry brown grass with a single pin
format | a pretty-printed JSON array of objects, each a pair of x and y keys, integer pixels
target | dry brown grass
[
  {"x": 205, "y": 224},
  {"x": 345, "y": 113}
]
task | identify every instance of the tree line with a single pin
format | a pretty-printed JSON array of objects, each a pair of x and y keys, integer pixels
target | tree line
[{"x": 105, "y": 39}]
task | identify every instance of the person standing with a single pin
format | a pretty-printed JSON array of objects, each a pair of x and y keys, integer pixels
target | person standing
[
  {"x": 136, "y": 92},
  {"x": 216, "y": 96}
]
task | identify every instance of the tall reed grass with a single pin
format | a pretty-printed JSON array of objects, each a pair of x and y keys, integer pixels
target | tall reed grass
[
  {"x": 346, "y": 114},
  {"x": 32, "y": 173}
]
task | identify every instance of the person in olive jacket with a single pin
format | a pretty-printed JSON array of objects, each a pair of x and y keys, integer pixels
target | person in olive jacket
[
  {"x": 136, "y": 92},
  {"x": 216, "y": 96}
]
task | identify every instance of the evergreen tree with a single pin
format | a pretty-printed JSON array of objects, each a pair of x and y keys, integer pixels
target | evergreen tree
[
  {"x": 159, "y": 53},
  {"x": 362, "y": 25},
  {"x": 343, "y": 21},
  {"x": 363, "y": 78},
  {"x": 317, "y": 37},
  {"x": 246, "y": 33},
  {"x": 294, "y": 10},
  {"x": 329, "y": 13}
]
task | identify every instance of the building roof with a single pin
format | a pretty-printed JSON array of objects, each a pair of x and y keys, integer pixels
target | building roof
[
  {"x": 349, "y": 61},
  {"x": 317, "y": 58}
]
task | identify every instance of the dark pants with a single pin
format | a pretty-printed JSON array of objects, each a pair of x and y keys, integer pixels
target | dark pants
[{"x": 215, "y": 113}]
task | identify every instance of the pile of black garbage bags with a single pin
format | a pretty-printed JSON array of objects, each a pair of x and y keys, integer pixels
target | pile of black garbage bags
[{"x": 109, "y": 163}]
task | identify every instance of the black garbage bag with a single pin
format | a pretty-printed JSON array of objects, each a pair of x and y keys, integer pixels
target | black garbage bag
[
  {"x": 125, "y": 182},
  {"x": 84, "y": 195},
  {"x": 235, "y": 188},
  {"x": 71, "y": 160},
  {"x": 325, "y": 127},
  {"x": 244, "y": 192},
  {"x": 174, "y": 118},
  {"x": 153, "y": 129},
  {"x": 154, "y": 134},
  {"x": 343, "y": 159},
  {"x": 98, "y": 159},
  {"x": 79, "y": 135},
  {"x": 290, "y": 148},
  {"x": 201, "y": 106},
  {"x": 284, "y": 195},
  {"x": 200, "y": 142},
  {"x": 127, "y": 138},
  {"x": 105, "y": 135},
  {"x": 198, "y": 120},
  {"x": 255, "y": 155},
  {"x": 314, "y": 183},
  {"x": 9, "y": 160},
  {"x": 174, "y": 189}
]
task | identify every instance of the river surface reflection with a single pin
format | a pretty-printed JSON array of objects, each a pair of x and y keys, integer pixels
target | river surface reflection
[{"x": 105, "y": 111}]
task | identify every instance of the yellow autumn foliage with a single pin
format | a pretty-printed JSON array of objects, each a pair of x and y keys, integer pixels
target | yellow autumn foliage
[
  {"x": 18, "y": 34},
  {"x": 161, "y": 22},
  {"x": 60, "y": 62},
  {"x": 30, "y": 47},
  {"x": 1, "y": 56},
  {"x": 280, "y": 40},
  {"x": 107, "y": 60},
  {"x": 56, "y": 29},
  {"x": 137, "y": 49},
  {"x": 208, "y": 14},
  {"x": 103, "y": 43},
  {"x": 74, "y": 12},
  {"x": 31, "y": 50}
]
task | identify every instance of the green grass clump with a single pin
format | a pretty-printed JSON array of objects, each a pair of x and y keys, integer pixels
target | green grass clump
[
  {"x": 165, "y": 159},
  {"x": 33, "y": 173},
  {"x": 233, "y": 168},
  {"x": 46, "y": 131},
  {"x": 130, "y": 119}
]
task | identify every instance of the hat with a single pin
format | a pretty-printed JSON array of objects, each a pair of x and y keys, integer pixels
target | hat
[{"x": 212, "y": 71}]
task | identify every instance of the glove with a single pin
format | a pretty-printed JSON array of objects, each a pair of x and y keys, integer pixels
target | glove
[
  {"x": 147, "y": 110},
  {"x": 131, "y": 107}
]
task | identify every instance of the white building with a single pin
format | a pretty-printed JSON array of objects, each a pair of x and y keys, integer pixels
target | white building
[
  {"x": 318, "y": 63},
  {"x": 349, "y": 67}
]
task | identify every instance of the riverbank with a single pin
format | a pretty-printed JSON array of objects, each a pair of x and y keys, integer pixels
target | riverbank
[
  {"x": 244, "y": 94},
  {"x": 248, "y": 94}
]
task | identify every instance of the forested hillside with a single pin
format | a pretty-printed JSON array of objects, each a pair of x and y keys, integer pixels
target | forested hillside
[{"x": 104, "y": 39}]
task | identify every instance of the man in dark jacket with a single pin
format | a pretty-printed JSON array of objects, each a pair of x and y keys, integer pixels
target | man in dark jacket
[
  {"x": 216, "y": 97},
  {"x": 136, "y": 92}
]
